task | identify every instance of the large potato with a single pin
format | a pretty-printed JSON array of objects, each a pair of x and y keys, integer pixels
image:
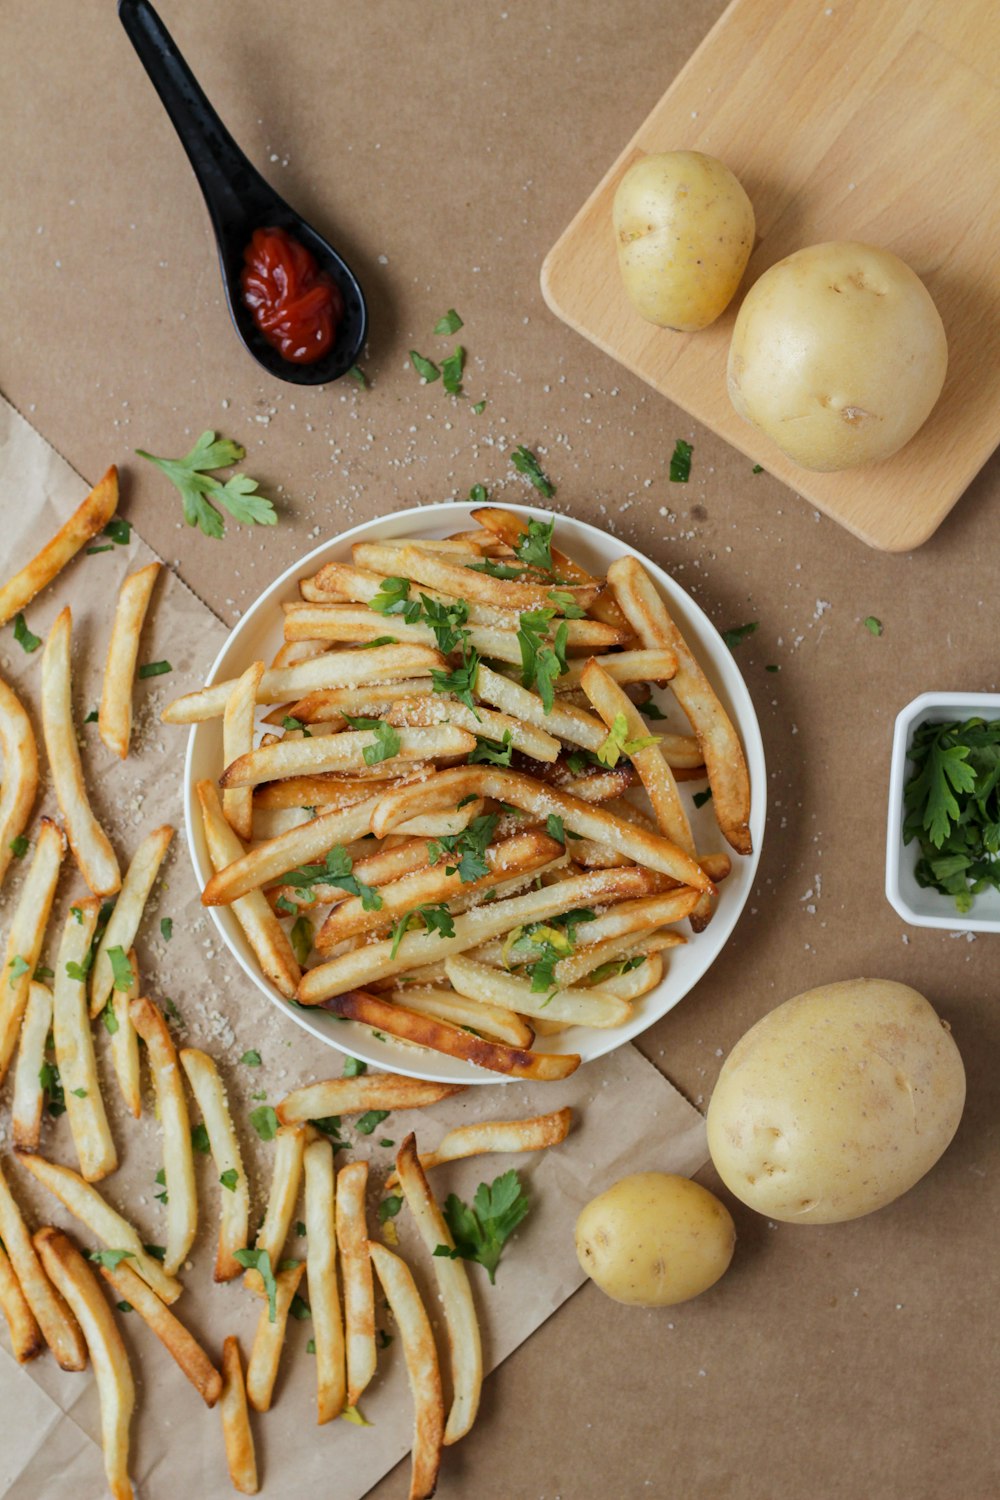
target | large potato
[
  {"x": 684, "y": 228},
  {"x": 836, "y": 1102},
  {"x": 838, "y": 354},
  {"x": 654, "y": 1239}
]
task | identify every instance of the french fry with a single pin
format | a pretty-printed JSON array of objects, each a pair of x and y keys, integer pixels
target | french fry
[
  {"x": 90, "y": 517},
  {"x": 19, "y": 758},
  {"x": 636, "y": 982},
  {"x": 376, "y": 960},
  {"x": 460, "y": 582},
  {"x": 90, "y": 844},
  {"x": 491, "y": 632},
  {"x": 339, "y": 752},
  {"x": 25, "y": 1335},
  {"x": 208, "y": 1089},
  {"x": 454, "y": 1041},
  {"x": 356, "y": 1096},
  {"x": 356, "y": 1273},
  {"x": 330, "y": 792},
  {"x": 640, "y": 916},
  {"x": 178, "y": 1159},
  {"x": 721, "y": 749},
  {"x": 241, "y": 1459},
  {"x": 422, "y": 1368},
  {"x": 114, "y": 717},
  {"x": 321, "y": 1269},
  {"x": 581, "y": 964},
  {"x": 85, "y": 1203},
  {"x": 294, "y": 652},
  {"x": 524, "y": 852},
  {"x": 417, "y": 712},
  {"x": 496, "y": 1022},
  {"x": 263, "y": 931},
  {"x": 26, "y": 935},
  {"x": 623, "y": 667},
  {"x": 125, "y": 1040},
  {"x": 74, "y": 1045},
  {"x": 573, "y": 724},
  {"x": 331, "y": 703},
  {"x": 490, "y": 1136},
  {"x": 286, "y": 1179},
  {"x": 123, "y": 924},
  {"x": 178, "y": 1341},
  {"x": 441, "y": 824},
  {"x": 332, "y": 669},
  {"x": 29, "y": 1096},
  {"x": 237, "y": 740},
  {"x": 59, "y": 1327},
  {"x": 81, "y": 1289},
  {"x": 590, "y": 1007},
  {"x": 464, "y": 1343}
]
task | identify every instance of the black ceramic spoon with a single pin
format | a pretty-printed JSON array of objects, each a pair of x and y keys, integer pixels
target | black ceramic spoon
[{"x": 240, "y": 201}]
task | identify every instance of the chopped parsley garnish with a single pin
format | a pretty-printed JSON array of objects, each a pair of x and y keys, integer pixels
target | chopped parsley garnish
[
  {"x": 447, "y": 621},
  {"x": 289, "y": 723},
  {"x": 526, "y": 463},
  {"x": 680, "y": 462},
  {"x": 480, "y": 1232},
  {"x": 425, "y": 368},
  {"x": 93, "y": 551},
  {"x": 18, "y": 966},
  {"x": 161, "y": 1179},
  {"x": 618, "y": 743},
  {"x": 952, "y": 807},
  {"x": 534, "y": 546},
  {"x": 757, "y": 469},
  {"x": 542, "y": 663},
  {"x": 251, "y": 1059},
  {"x": 23, "y": 635},
  {"x": 76, "y": 912},
  {"x": 166, "y": 928},
  {"x": 555, "y": 830},
  {"x": 579, "y": 761},
  {"x": 367, "y": 1122},
  {"x": 19, "y": 846},
  {"x": 299, "y": 1308},
  {"x": 55, "y": 1099},
  {"x": 78, "y": 971},
  {"x": 435, "y": 918},
  {"x": 302, "y": 938},
  {"x": 450, "y": 323},
  {"x": 265, "y": 1121},
  {"x": 738, "y": 633},
  {"x": 158, "y": 1252},
  {"x": 389, "y": 1207},
  {"x": 112, "y": 1259},
  {"x": 199, "y": 1140},
  {"x": 391, "y": 597},
  {"x": 109, "y": 1018},
  {"x": 153, "y": 669},
  {"x": 202, "y": 494},
  {"x": 479, "y": 407},
  {"x": 358, "y": 376},
  {"x": 335, "y": 870},
  {"x": 380, "y": 640},
  {"x": 119, "y": 530},
  {"x": 229, "y": 1178},
  {"x": 700, "y": 798},
  {"x": 478, "y": 494},
  {"x": 460, "y": 681},
  {"x": 772, "y": 668},
  {"x": 466, "y": 849},
  {"x": 496, "y": 569},
  {"x": 329, "y": 1126},
  {"x": 124, "y": 1307},
  {"x": 539, "y": 946},
  {"x": 567, "y": 605},
  {"x": 651, "y": 710},
  {"x": 386, "y": 743},
  {"x": 260, "y": 1260},
  {"x": 614, "y": 967},
  {"x": 92, "y": 717},
  {"x": 354, "y": 1067},
  {"x": 490, "y": 752},
  {"x": 173, "y": 1012},
  {"x": 874, "y": 626},
  {"x": 121, "y": 969},
  {"x": 451, "y": 371},
  {"x": 43, "y": 973},
  {"x": 79, "y": 1093}
]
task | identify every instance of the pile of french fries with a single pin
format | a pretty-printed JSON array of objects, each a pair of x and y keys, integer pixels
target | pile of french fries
[{"x": 481, "y": 695}]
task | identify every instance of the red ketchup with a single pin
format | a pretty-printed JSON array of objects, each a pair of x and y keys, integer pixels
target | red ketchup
[{"x": 296, "y": 306}]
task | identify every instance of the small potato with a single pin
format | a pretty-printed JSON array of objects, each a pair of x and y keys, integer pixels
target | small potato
[
  {"x": 652, "y": 1239},
  {"x": 836, "y": 1103},
  {"x": 838, "y": 354}
]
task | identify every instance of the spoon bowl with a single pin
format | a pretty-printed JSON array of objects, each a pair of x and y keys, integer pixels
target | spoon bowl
[{"x": 239, "y": 201}]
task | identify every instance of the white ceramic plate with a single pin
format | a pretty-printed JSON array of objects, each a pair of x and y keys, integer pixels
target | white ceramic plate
[{"x": 258, "y": 636}]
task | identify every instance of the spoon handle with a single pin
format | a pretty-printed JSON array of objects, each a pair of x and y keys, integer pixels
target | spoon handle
[{"x": 231, "y": 185}]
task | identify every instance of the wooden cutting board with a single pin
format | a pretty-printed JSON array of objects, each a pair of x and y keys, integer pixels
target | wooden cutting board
[{"x": 875, "y": 120}]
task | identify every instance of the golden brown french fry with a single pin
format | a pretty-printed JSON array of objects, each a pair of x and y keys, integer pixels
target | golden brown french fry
[
  {"x": 241, "y": 1459},
  {"x": 123, "y": 923},
  {"x": 286, "y": 1179},
  {"x": 125, "y": 1040},
  {"x": 90, "y": 844},
  {"x": 114, "y": 717},
  {"x": 623, "y": 667},
  {"x": 178, "y": 1341},
  {"x": 26, "y": 935},
  {"x": 575, "y": 725},
  {"x": 495, "y": 1022},
  {"x": 356, "y": 1273},
  {"x": 263, "y": 931},
  {"x": 423, "y": 711},
  {"x": 332, "y": 669},
  {"x": 391, "y": 861},
  {"x": 581, "y": 964},
  {"x": 29, "y": 1096},
  {"x": 332, "y": 703},
  {"x": 321, "y": 1269},
  {"x": 86, "y": 1204},
  {"x": 355, "y": 1096},
  {"x": 293, "y": 652},
  {"x": 421, "y": 1366},
  {"x": 460, "y": 582},
  {"x": 90, "y": 517},
  {"x": 439, "y": 1036},
  {"x": 178, "y": 1159},
  {"x": 25, "y": 1335},
  {"x": 464, "y": 1343},
  {"x": 59, "y": 1327},
  {"x": 329, "y": 792},
  {"x": 489, "y": 1136},
  {"x": 637, "y": 917},
  {"x": 636, "y": 982},
  {"x": 19, "y": 758},
  {"x": 339, "y": 752},
  {"x": 237, "y": 740},
  {"x": 77, "y": 1283},
  {"x": 262, "y": 1371},
  {"x": 74, "y": 1046},
  {"x": 723, "y": 754},
  {"x": 576, "y": 1007},
  {"x": 208, "y": 1089}
]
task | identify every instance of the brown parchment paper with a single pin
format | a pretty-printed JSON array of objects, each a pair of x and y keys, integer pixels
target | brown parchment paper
[{"x": 628, "y": 1117}]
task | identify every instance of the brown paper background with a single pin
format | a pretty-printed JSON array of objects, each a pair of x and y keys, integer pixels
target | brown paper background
[{"x": 444, "y": 148}]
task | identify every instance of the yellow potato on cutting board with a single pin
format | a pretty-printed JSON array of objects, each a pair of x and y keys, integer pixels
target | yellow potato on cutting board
[
  {"x": 836, "y": 1102},
  {"x": 684, "y": 228}
]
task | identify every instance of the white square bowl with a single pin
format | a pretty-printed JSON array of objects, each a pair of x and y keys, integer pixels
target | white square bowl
[{"x": 915, "y": 903}]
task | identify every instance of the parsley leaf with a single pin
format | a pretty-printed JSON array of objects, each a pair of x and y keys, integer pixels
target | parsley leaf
[
  {"x": 490, "y": 752},
  {"x": 110, "y": 1258},
  {"x": 19, "y": 846},
  {"x": 450, "y": 323},
  {"x": 435, "y": 919},
  {"x": 23, "y": 635},
  {"x": 680, "y": 462},
  {"x": 386, "y": 743},
  {"x": 202, "y": 494},
  {"x": 302, "y": 939},
  {"x": 460, "y": 681},
  {"x": 251, "y": 1059},
  {"x": 265, "y": 1121},
  {"x": 467, "y": 849},
  {"x": 229, "y": 1178},
  {"x": 121, "y": 969},
  {"x": 391, "y": 597},
  {"x": 18, "y": 965},
  {"x": 425, "y": 368},
  {"x": 153, "y": 669},
  {"x": 738, "y": 633},
  {"x": 446, "y": 619},
  {"x": 495, "y": 569},
  {"x": 354, "y": 1067},
  {"x": 526, "y": 463},
  {"x": 358, "y": 376},
  {"x": 534, "y": 547},
  {"x": 335, "y": 870},
  {"x": 55, "y": 1099},
  {"x": 874, "y": 626},
  {"x": 199, "y": 1140},
  {"x": 700, "y": 798},
  {"x": 567, "y": 605},
  {"x": 166, "y": 928},
  {"x": 451, "y": 371},
  {"x": 541, "y": 663},
  {"x": 618, "y": 742},
  {"x": 260, "y": 1260},
  {"x": 389, "y": 1207},
  {"x": 109, "y": 1018},
  {"x": 952, "y": 804},
  {"x": 480, "y": 1232},
  {"x": 367, "y": 1122},
  {"x": 119, "y": 530}
]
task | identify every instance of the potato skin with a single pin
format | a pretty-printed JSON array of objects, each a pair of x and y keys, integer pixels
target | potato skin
[
  {"x": 836, "y": 1102},
  {"x": 684, "y": 228},
  {"x": 653, "y": 1239},
  {"x": 838, "y": 354}
]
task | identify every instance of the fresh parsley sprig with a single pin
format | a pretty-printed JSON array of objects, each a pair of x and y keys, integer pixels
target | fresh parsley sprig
[
  {"x": 480, "y": 1232},
  {"x": 434, "y": 918},
  {"x": 202, "y": 493},
  {"x": 335, "y": 870},
  {"x": 526, "y": 463},
  {"x": 952, "y": 807},
  {"x": 618, "y": 743},
  {"x": 386, "y": 742},
  {"x": 467, "y": 849},
  {"x": 541, "y": 662}
]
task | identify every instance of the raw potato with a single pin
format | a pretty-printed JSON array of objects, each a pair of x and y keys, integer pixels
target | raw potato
[
  {"x": 836, "y": 1102},
  {"x": 838, "y": 355},
  {"x": 684, "y": 228},
  {"x": 653, "y": 1239}
]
